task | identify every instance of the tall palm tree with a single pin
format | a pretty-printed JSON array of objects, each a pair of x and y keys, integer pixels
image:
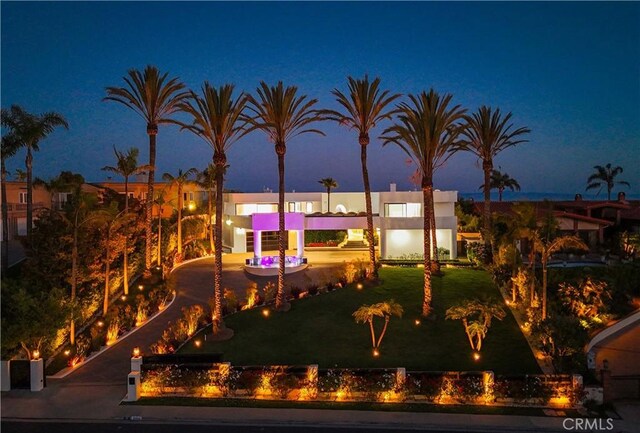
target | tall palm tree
[
  {"x": 605, "y": 177},
  {"x": 179, "y": 181},
  {"x": 126, "y": 166},
  {"x": 426, "y": 130},
  {"x": 218, "y": 119},
  {"x": 364, "y": 106},
  {"x": 366, "y": 314},
  {"x": 29, "y": 130},
  {"x": 10, "y": 146},
  {"x": 487, "y": 133},
  {"x": 329, "y": 183},
  {"x": 20, "y": 175},
  {"x": 282, "y": 114},
  {"x": 502, "y": 181},
  {"x": 156, "y": 99}
]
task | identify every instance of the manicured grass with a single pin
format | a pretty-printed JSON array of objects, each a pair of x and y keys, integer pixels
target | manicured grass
[
  {"x": 388, "y": 407},
  {"x": 321, "y": 330}
]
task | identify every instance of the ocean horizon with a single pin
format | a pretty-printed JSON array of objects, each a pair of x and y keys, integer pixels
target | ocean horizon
[{"x": 539, "y": 196}]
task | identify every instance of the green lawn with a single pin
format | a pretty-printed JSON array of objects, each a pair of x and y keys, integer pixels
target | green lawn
[{"x": 321, "y": 330}]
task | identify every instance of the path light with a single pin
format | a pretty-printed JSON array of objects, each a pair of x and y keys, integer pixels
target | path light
[
  {"x": 198, "y": 343},
  {"x": 100, "y": 323},
  {"x": 417, "y": 322},
  {"x": 359, "y": 286},
  {"x": 376, "y": 353},
  {"x": 123, "y": 297},
  {"x": 35, "y": 355},
  {"x": 140, "y": 287},
  {"x": 136, "y": 352},
  {"x": 67, "y": 352},
  {"x": 265, "y": 312},
  {"x": 476, "y": 356}
]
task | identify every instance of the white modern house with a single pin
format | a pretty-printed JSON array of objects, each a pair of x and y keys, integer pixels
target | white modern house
[{"x": 251, "y": 220}]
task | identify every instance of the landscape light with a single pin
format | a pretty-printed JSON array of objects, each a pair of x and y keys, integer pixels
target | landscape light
[
  {"x": 476, "y": 356},
  {"x": 376, "y": 353},
  {"x": 123, "y": 297},
  {"x": 35, "y": 355},
  {"x": 265, "y": 312},
  {"x": 136, "y": 352},
  {"x": 67, "y": 352},
  {"x": 359, "y": 286},
  {"x": 417, "y": 322},
  {"x": 140, "y": 287},
  {"x": 100, "y": 323},
  {"x": 197, "y": 343}
]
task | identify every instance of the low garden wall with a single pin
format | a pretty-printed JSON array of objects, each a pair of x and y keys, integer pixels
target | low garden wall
[{"x": 304, "y": 383}]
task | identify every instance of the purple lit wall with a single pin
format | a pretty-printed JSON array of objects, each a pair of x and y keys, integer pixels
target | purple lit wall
[{"x": 269, "y": 221}]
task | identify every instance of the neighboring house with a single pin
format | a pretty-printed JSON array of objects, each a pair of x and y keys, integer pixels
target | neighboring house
[
  {"x": 614, "y": 356},
  {"x": 17, "y": 206}
]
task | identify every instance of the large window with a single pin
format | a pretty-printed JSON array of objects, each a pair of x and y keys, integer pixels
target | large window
[
  {"x": 300, "y": 206},
  {"x": 22, "y": 199},
  {"x": 402, "y": 210},
  {"x": 251, "y": 208}
]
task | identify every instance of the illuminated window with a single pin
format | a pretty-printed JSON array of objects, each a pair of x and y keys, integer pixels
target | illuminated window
[
  {"x": 413, "y": 210},
  {"x": 402, "y": 210},
  {"x": 251, "y": 208},
  {"x": 22, "y": 199}
]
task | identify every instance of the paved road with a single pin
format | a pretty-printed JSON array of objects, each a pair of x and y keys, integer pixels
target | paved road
[{"x": 137, "y": 427}]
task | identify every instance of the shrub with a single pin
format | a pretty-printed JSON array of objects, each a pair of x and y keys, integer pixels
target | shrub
[
  {"x": 231, "y": 301},
  {"x": 248, "y": 380},
  {"x": 269, "y": 292}
]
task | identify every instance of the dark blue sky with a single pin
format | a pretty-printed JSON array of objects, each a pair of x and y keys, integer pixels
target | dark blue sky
[{"x": 569, "y": 71}]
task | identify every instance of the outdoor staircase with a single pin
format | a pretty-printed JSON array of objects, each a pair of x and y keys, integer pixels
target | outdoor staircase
[{"x": 355, "y": 245}]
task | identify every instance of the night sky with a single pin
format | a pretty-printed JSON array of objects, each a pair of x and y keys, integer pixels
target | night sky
[{"x": 568, "y": 71}]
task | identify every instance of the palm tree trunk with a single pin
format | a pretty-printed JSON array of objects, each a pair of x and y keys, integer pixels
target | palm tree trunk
[
  {"x": 5, "y": 219},
  {"x": 328, "y": 199},
  {"x": 384, "y": 330},
  {"x": 373, "y": 333},
  {"x": 544, "y": 288},
  {"x": 160, "y": 236},
  {"x": 532, "y": 259},
  {"x": 487, "y": 166},
  {"x": 105, "y": 302},
  {"x": 126, "y": 236},
  {"x": 281, "y": 233},
  {"x": 180, "y": 221},
  {"x": 74, "y": 280},
  {"x": 434, "y": 239},
  {"x": 500, "y": 194},
  {"x": 218, "y": 323},
  {"x": 479, "y": 342},
  {"x": 212, "y": 227},
  {"x": 426, "y": 199},
  {"x": 364, "y": 142},
  {"x": 466, "y": 330},
  {"x": 152, "y": 131},
  {"x": 29, "y": 167}
]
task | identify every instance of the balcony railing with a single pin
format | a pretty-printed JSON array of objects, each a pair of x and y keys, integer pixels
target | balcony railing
[{"x": 17, "y": 207}]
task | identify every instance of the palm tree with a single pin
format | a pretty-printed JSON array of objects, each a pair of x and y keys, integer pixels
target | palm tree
[
  {"x": 126, "y": 166},
  {"x": 218, "y": 119},
  {"x": 487, "y": 134},
  {"x": 366, "y": 314},
  {"x": 605, "y": 177},
  {"x": 547, "y": 247},
  {"x": 10, "y": 146},
  {"x": 155, "y": 98},
  {"x": 364, "y": 107},
  {"x": 426, "y": 131},
  {"x": 179, "y": 181},
  {"x": 282, "y": 114},
  {"x": 29, "y": 129},
  {"x": 112, "y": 218},
  {"x": 329, "y": 183},
  {"x": 476, "y": 317},
  {"x": 160, "y": 201},
  {"x": 502, "y": 181},
  {"x": 20, "y": 175}
]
